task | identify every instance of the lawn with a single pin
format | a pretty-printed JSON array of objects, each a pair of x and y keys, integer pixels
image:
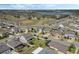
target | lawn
[
  {"x": 36, "y": 43},
  {"x": 72, "y": 48},
  {"x": 26, "y": 50},
  {"x": 29, "y": 22}
]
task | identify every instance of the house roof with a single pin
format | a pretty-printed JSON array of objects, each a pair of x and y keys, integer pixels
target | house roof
[
  {"x": 14, "y": 42},
  {"x": 37, "y": 50},
  {"x": 70, "y": 35},
  {"x": 27, "y": 36},
  {"x": 40, "y": 50},
  {"x": 76, "y": 44},
  {"x": 3, "y": 47},
  {"x": 16, "y": 29},
  {"x": 60, "y": 45}
]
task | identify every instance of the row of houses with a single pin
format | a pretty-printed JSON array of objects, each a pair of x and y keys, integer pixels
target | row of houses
[
  {"x": 15, "y": 42},
  {"x": 5, "y": 25},
  {"x": 12, "y": 30},
  {"x": 21, "y": 40}
]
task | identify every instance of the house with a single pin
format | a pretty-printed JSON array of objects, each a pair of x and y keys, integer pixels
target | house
[
  {"x": 76, "y": 44},
  {"x": 46, "y": 29},
  {"x": 3, "y": 33},
  {"x": 15, "y": 30},
  {"x": 2, "y": 25},
  {"x": 25, "y": 37},
  {"x": 69, "y": 36},
  {"x": 61, "y": 26},
  {"x": 4, "y": 49},
  {"x": 56, "y": 35},
  {"x": 14, "y": 43},
  {"x": 41, "y": 50},
  {"x": 46, "y": 35},
  {"x": 60, "y": 46}
]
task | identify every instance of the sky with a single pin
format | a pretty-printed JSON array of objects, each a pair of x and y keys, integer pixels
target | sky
[{"x": 38, "y": 6}]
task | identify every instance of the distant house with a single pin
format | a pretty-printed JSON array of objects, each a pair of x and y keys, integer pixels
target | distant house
[
  {"x": 25, "y": 37},
  {"x": 4, "y": 49},
  {"x": 14, "y": 43},
  {"x": 41, "y": 50},
  {"x": 69, "y": 36},
  {"x": 61, "y": 26},
  {"x": 4, "y": 34},
  {"x": 56, "y": 35},
  {"x": 46, "y": 35},
  {"x": 15, "y": 30},
  {"x": 2, "y": 25},
  {"x": 61, "y": 46},
  {"x": 46, "y": 29},
  {"x": 76, "y": 44}
]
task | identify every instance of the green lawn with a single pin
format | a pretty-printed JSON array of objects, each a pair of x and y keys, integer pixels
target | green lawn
[
  {"x": 72, "y": 48},
  {"x": 38, "y": 42},
  {"x": 29, "y": 49}
]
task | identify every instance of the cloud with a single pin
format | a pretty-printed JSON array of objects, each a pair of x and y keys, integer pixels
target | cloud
[
  {"x": 32, "y": 6},
  {"x": 39, "y": 6}
]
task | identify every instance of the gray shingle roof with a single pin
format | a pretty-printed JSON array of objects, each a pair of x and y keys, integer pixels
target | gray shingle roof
[
  {"x": 27, "y": 36},
  {"x": 47, "y": 51},
  {"x": 76, "y": 44},
  {"x": 16, "y": 29},
  {"x": 14, "y": 42},
  {"x": 3, "y": 47},
  {"x": 60, "y": 45}
]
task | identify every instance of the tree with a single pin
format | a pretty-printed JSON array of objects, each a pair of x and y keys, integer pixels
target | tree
[
  {"x": 38, "y": 42},
  {"x": 72, "y": 48},
  {"x": 76, "y": 33}
]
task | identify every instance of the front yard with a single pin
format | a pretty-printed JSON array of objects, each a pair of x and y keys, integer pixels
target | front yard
[{"x": 34, "y": 43}]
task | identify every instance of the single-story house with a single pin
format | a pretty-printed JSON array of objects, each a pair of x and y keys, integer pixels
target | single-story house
[
  {"x": 15, "y": 30},
  {"x": 25, "y": 37},
  {"x": 56, "y": 35},
  {"x": 14, "y": 43},
  {"x": 4, "y": 49},
  {"x": 76, "y": 44},
  {"x": 70, "y": 36},
  {"x": 61, "y": 46},
  {"x": 4, "y": 34},
  {"x": 61, "y": 26},
  {"x": 2, "y": 25},
  {"x": 41, "y": 50}
]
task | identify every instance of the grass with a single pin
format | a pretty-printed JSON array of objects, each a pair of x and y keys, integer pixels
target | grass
[
  {"x": 29, "y": 22},
  {"x": 36, "y": 42},
  {"x": 27, "y": 50},
  {"x": 2, "y": 30},
  {"x": 72, "y": 48}
]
